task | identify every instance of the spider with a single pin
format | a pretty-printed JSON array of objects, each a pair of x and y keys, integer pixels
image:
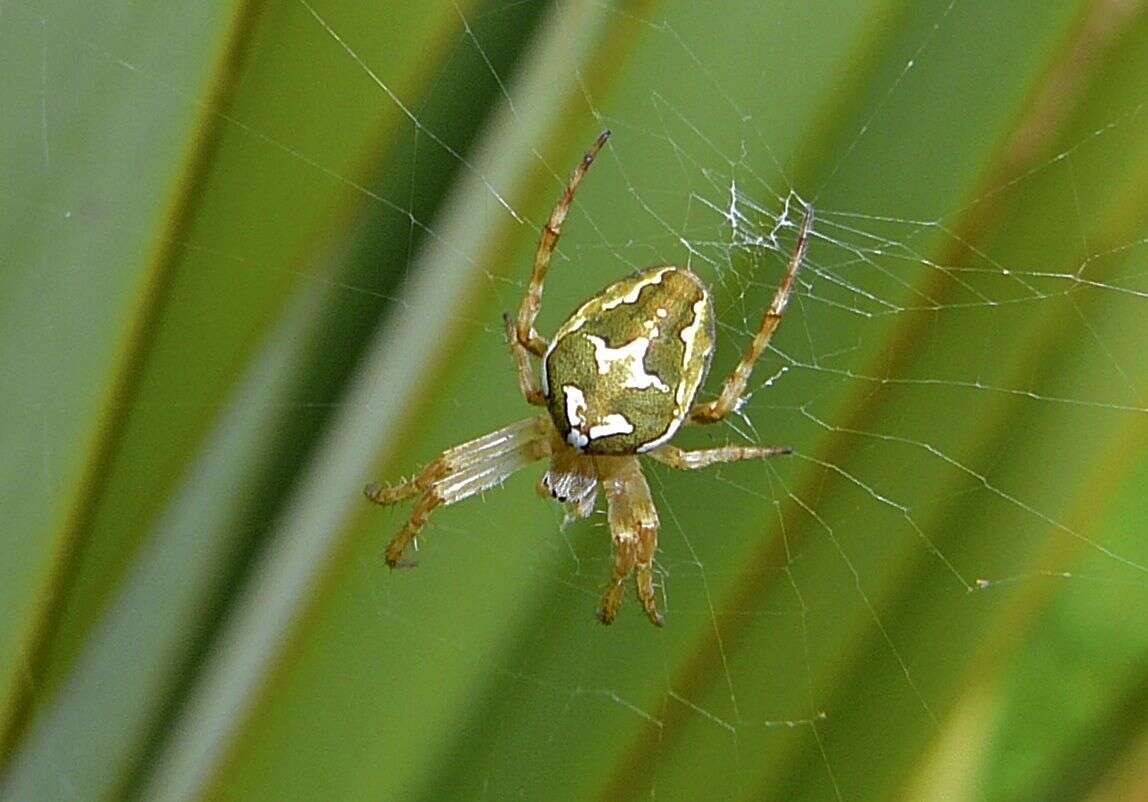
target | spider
[{"x": 618, "y": 380}]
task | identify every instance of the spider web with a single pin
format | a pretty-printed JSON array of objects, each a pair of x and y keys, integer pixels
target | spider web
[{"x": 960, "y": 406}]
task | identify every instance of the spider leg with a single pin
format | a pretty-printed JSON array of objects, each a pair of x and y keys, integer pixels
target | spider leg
[
  {"x": 734, "y": 385},
  {"x": 634, "y": 526},
  {"x": 526, "y": 338},
  {"x": 527, "y": 383},
  {"x": 689, "y": 460},
  {"x": 460, "y": 472},
  {"x": 647, "y": 545},
  {"x": 625, "y": 556}
]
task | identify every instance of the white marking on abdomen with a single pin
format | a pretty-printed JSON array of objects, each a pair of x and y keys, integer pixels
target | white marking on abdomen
[
  {"x": 613, "y": 423},
  {"x": 632, "y": 296},
  {"x": 689, "y": 336},
  {"x": 575, "y": 415},
  {"x": 631, "y": 358},
  {"x": 575, "y": 404}
]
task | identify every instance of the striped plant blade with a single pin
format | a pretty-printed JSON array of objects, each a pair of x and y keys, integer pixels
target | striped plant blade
[{"x": 301, "y": 223}]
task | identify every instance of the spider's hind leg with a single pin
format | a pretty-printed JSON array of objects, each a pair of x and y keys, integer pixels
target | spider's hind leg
[{"x": 460, "y": 472}]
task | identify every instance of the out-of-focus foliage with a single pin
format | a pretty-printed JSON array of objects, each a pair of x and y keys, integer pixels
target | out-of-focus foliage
[{"x": 254, "y": 255}]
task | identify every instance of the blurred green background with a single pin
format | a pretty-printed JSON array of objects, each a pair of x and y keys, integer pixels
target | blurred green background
[{"x": 255, "y": 255}]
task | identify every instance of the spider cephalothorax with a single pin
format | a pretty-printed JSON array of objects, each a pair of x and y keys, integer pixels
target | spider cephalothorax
[{"x": 618, "y": 380}]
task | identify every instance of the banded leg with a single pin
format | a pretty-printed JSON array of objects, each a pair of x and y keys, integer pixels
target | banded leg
[
  {"x": 634, "y": 526},
  {"x": 526, "y": 381},
  {"x": 734, "y": 385},
  {"x": 625, "y": 556},
  {"x": 460, "y": 472},
  {"x": 702, "y": 458},
  {"x": 647, "y": 545},
  {"x": 525, "y": 335}
]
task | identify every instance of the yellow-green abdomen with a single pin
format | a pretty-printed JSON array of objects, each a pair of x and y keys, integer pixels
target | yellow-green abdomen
[{"x": 622, "y": 372}]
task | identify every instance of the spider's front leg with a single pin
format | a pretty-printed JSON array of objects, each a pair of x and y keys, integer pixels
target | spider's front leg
[
  {"x": 527, "y": 384},
  {"x": 634, "y": 526},
  {"x": 526, "y": 336},
  {"x": 734, "y": 386},
  {"x": 460, "y": 472},
  {"x": 524, "y": 340}
]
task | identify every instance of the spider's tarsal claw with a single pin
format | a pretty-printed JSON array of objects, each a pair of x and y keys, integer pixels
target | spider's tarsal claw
[
  {"x": 387, "y": 495},
  {"x": 610, "y": 604},
  {"x": 645, "y": 583},
  {"x": 401, "y": 564},
  {"x": 597, "y": 146},
  {"x": 394, "y": 553}
]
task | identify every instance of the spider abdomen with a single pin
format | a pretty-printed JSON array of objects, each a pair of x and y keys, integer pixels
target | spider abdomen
[{"x": 622, "y": 372}]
